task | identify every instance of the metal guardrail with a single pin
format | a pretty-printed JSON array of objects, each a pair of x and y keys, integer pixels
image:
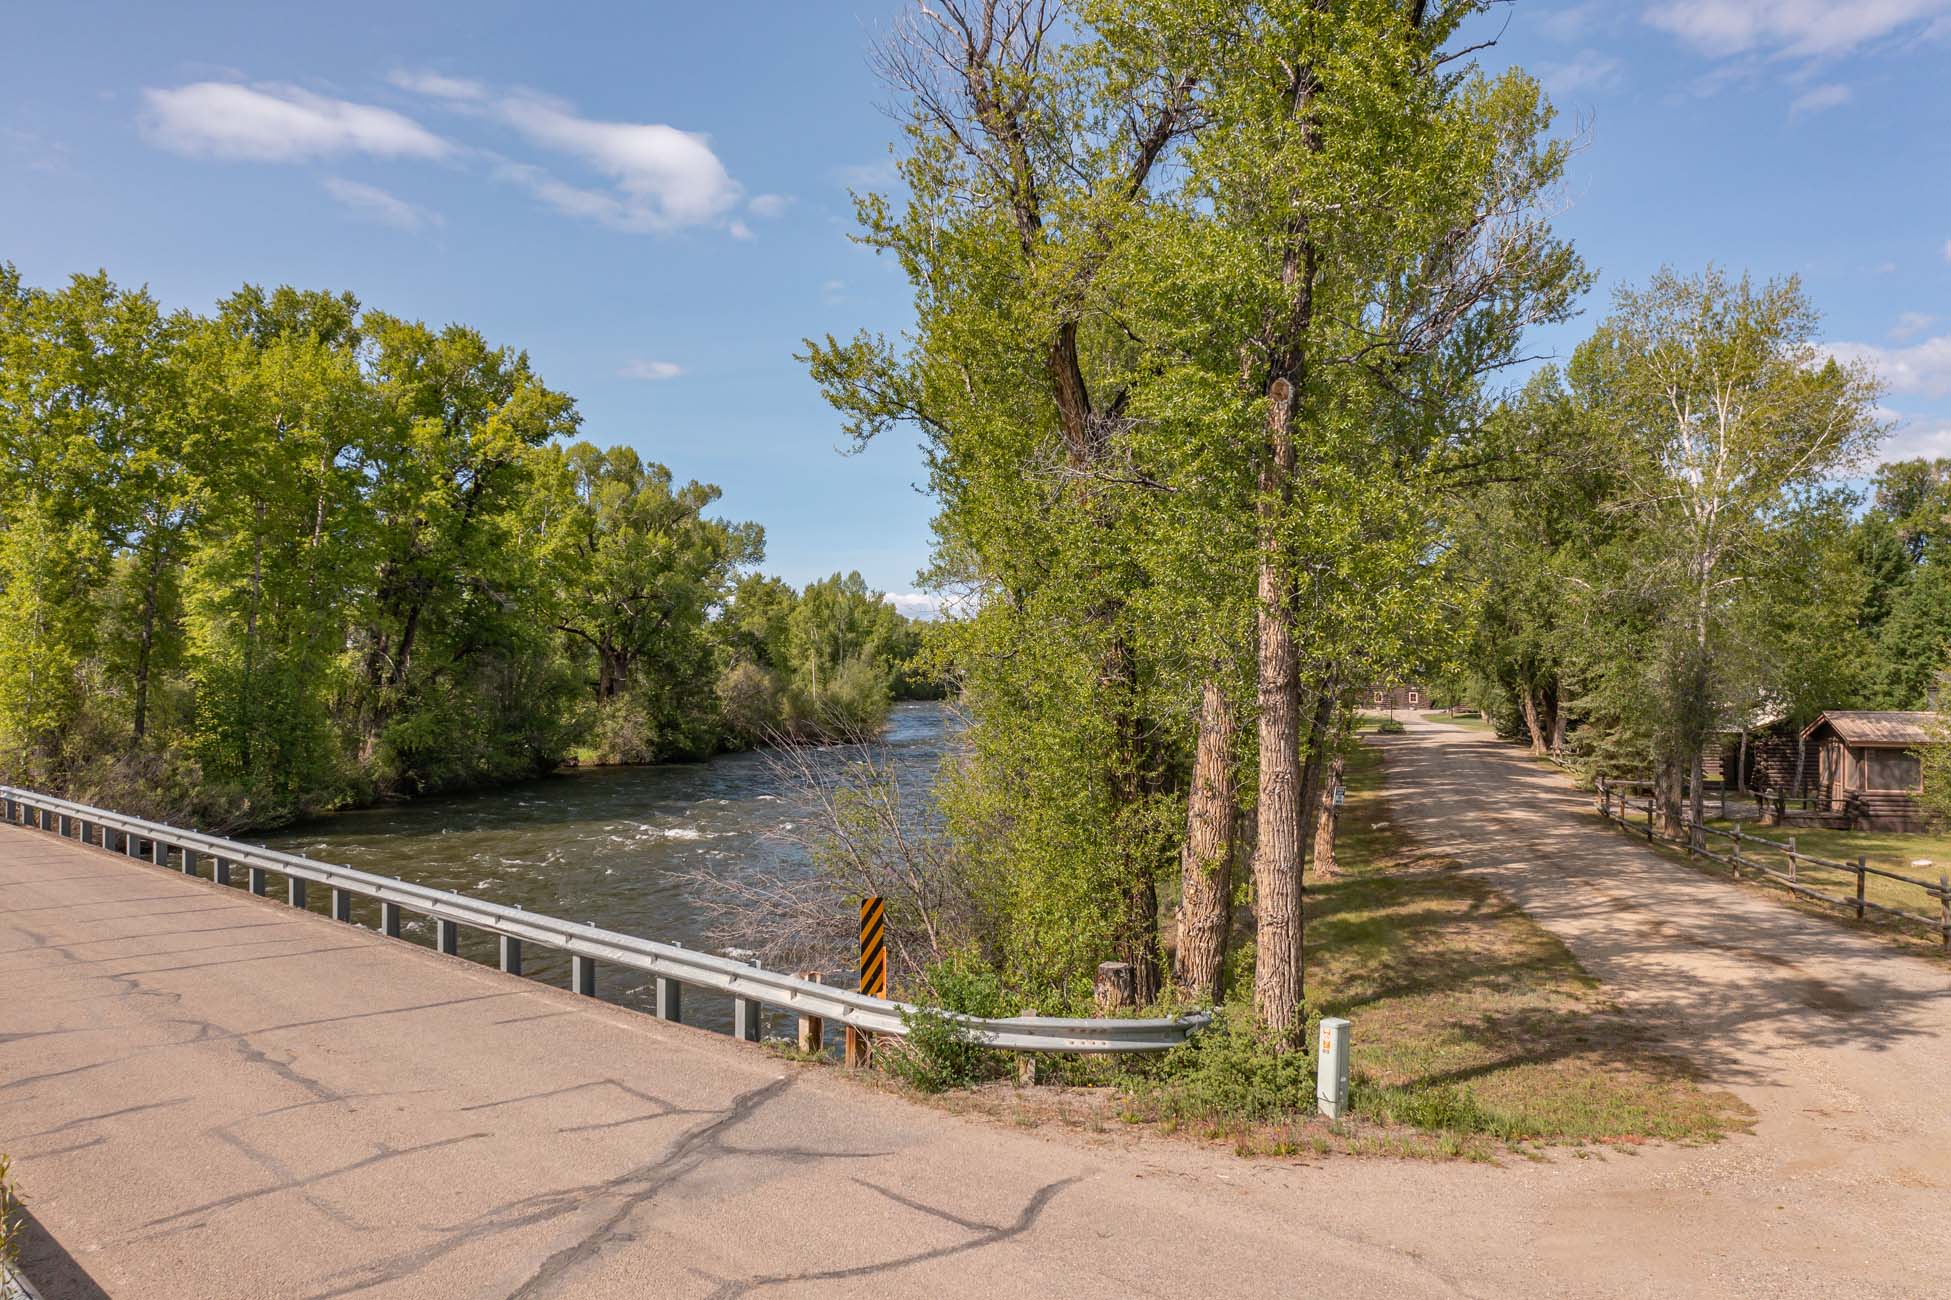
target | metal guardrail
[{"x": 674, "y": 967}]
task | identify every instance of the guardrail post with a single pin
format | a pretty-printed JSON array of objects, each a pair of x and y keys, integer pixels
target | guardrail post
[
  {"x": 67, "y": 826},
  {"x": 341, "y": 904},
  {"x": 745, "y": 1019},
  {"x": 159, "y": 853},
  {"x": 447, "y": 936},
  {"x": 220, "y": 870},
  {"x": 670, "y": 999},
  {"x": 389, "y": 919},
  {"x": 295, "y": 890},
  {"x": 257, "y": 880},
  {"x": 811, "y": 1029},
  {"x": 189, "y": 861},
  {"x": 582, "y": 974},
  {"x": 511, "y": 954}
]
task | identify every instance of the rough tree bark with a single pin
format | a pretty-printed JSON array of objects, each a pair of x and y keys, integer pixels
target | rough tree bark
[
  {"x": 1329, "y": 818},
  {"x": 1528, "y": 700},
  {"x": 1206, "y": 862},
  {"x": 1277, "y": 854}
]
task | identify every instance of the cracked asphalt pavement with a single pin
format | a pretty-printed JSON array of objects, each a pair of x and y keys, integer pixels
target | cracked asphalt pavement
[{"x": 209, "y": 1095}]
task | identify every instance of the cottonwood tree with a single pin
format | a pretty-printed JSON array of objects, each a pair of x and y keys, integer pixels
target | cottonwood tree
[
  {"x": 1383, "y": 218},
  {"x": 1033, "y": 148},
  {"x": 1723, "y": 420}
]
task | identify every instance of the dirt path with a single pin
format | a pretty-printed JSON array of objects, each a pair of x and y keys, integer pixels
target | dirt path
[
  {"x": 212, "y": 1097},
  {"x": 1840, "y": 1043}
]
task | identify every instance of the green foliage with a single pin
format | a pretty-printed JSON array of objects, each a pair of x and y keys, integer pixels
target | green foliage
[
  {"x": 939, "y": 1052},
  {"x": 1233, "y": 1073},
  {"x": 1389, "y": 727},
  {"x": 296, "y": 554}
]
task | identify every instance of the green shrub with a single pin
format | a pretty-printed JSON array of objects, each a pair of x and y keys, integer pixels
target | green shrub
[
  {"x": 939, "y": 1053},
  {"x": 1231, "y": 1073},
  {"x": 1390, "y": 727},
  {"x": 849, "y": 705}
]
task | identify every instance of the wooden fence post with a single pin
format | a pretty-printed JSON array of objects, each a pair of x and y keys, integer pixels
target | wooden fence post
[
  {"x": 1649, "y": 819},
  {"x": 1944, "y": 906},
  {"x": 1794, "y": 870},
  {"x": 1737, "y": 850}
]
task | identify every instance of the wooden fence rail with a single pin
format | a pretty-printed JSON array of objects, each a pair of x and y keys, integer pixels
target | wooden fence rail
[{"x": 1617, "y": 805}]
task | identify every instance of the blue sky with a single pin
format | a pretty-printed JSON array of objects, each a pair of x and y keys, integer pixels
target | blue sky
[{"x": 652, "y": 198}]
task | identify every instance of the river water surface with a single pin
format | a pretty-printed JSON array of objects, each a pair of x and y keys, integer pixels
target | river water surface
[{"x": 612, "y": 846}]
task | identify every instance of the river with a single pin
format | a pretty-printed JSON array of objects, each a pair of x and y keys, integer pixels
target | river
[{"x": 613, "y": 846}]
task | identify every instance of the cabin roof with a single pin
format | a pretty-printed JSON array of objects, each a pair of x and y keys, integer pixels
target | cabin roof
[{"x": 1880, "y": 727}]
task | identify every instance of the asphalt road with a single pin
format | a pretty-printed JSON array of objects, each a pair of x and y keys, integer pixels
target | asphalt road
[{"x": 208, "y": 1095}]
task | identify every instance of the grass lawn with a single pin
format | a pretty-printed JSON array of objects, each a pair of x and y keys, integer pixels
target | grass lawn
[
  {"x": 1474, "y": 721},
  {"x": 1458, "y": 997},
  {"x": 1475, "y": 1032},
  {"x": 1886, "y": 849}
]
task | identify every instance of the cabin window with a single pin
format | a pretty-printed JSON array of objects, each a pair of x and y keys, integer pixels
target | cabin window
[
  {"x": 1414, "y": 698},
  {"x": 1892, "y": 769}
]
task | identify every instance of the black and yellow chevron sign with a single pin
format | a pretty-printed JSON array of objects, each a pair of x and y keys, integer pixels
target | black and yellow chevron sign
[{"x": 873, "y": 946}]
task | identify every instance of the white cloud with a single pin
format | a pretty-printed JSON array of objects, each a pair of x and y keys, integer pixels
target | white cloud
[
  {"x": 769, "y": 205},
  {"x": 651, "y": 370},
  {"x": 1588, "y": 70},
  {"x": 1818, "y": 98},
  {"x": 663, "y": 178},
  {"x": 268, "y": 122},
  {"x": 439, "y": 86},
  {"x": 915, "y": 604},
  {"x": 1794, "y": 28},
  {"x": 833, "y": 291},
  {"x": 1920, "y": 368},
  {"x": 739, "y": 230},
  {"x": 1947, "y": 250},
  {"x": 1928, "y": 439},
  {"x": 1910, "y": 324},
  {"x": 371, "y": 203}
]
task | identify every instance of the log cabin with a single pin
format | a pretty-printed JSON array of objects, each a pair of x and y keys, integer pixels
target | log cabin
[{"x": 1868, "y": 768}]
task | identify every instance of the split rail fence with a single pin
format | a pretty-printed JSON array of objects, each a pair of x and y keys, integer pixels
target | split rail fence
[{"x": 1638, "y": 816}]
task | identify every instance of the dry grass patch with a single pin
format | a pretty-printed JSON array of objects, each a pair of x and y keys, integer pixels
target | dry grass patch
[{"x": 1476, "y": 1033}]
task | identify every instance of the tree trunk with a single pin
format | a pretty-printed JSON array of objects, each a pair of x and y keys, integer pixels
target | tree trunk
[
  {"x": 1330, "y": 817},
  {"x": 1206, "y": 862},
  {"x": 1277, "y": 853},
  {"x": 1698, "y": 793},
  {"x": 1320, "y": 726},
  {"x": 1136, "y": 940},
  {"x": 1528, "y": 700},
  {"x": 1667, "y": 791}
]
